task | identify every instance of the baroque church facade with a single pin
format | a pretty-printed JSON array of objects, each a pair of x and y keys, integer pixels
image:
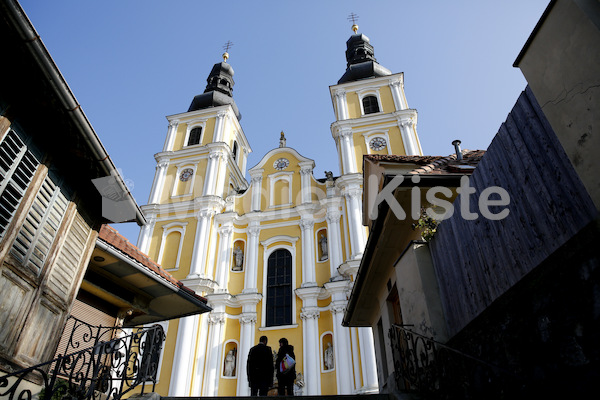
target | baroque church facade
[{"x": 276, "y": 256}]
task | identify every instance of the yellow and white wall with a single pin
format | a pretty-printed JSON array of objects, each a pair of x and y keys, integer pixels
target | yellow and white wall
[{"x": 201, "y": 209}]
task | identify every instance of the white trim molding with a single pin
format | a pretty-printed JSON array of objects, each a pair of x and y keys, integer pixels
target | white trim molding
[
  {"x": 384, "y": 134},
  {"x": 167, "y": 230},
  {"x": 191, "y": 124},
  {"x": 278, "y": 176}
]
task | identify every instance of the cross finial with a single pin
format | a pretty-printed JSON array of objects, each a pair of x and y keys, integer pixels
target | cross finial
[
  {"x": 354, "y": 18},
  {"x": 226, "y": 47}
]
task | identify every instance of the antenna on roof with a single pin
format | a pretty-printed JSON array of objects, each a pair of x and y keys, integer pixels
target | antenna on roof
[
  {"x": 226, "y": 47},
  {"x": 354, "y": 18}
]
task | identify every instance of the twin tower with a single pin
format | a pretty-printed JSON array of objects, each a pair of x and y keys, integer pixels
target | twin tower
[{"x": 275, "y": 256}]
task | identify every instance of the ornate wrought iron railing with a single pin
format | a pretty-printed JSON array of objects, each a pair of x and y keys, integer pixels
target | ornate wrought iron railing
[
  {"x": 110, "y": 362},
  {"x": 436, "y": 371}
]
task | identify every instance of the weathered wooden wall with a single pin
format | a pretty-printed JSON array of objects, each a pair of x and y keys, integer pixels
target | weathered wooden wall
[{"x": 476, "y": 261}]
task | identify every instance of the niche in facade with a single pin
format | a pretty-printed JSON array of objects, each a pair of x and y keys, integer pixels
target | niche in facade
[
  {"x": 237, "y": 262},
  {"x": 230, "y": 361}
]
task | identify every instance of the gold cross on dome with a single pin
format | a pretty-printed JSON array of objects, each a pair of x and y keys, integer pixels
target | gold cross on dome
[
  {"x": 226, "y": 47},
  {"x": 354, "y": 18}
]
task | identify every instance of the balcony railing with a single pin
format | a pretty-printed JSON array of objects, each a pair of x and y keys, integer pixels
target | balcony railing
[
  {"x": 436, "y": 371},
  {"x": 99, "y": 363}
]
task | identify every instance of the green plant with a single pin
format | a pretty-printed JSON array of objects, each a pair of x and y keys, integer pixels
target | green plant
[{"x": 426, "y": 224}]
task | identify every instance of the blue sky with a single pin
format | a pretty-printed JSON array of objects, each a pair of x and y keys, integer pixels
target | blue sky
[{"x": 131, "y": 63}]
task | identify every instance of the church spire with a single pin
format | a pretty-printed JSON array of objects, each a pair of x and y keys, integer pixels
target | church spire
[
  {"x": 360, "y": 57},
  {"x": 219, "y": 88}
]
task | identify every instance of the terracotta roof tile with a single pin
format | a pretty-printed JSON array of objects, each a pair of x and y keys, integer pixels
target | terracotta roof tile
[
  {"x": 111, "y": 236},
  {"x": 434, "y": 165}
]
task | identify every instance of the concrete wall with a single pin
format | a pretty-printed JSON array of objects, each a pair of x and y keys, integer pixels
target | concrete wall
[
  {"x": 561, "y": 64},
  {"x": 419, "y": 292}
]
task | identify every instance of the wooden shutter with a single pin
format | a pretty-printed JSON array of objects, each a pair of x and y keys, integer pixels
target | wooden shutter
[
  {"x": 17, "y": 166},
  {"x": 35, "y": 238},
  {"x": 65, "y": 271}
]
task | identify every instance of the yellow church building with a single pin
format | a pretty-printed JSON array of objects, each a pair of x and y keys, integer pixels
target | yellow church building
[{"x": 276, "y": 256}]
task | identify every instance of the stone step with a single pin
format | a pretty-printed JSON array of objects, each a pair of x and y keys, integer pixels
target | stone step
[{"x": 331, "y": 397}]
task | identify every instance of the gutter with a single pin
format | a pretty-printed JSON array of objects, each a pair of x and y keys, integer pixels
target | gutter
[{"x": 35, "y": 45}]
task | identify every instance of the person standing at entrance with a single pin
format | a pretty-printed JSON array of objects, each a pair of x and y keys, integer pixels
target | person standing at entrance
[
  {"x": 285, "y": 380},
  {"x": 260, "y": 368}
]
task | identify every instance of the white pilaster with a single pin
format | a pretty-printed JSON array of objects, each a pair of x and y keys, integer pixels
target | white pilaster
[
  {"x": 306, "y": 170},
  {"x": 171, "y": 133},
  {"x": 197, "y": 265},
  {"x": 219, "y": 126},
  {"x": 183, "y": 358},
  {"x": 225, "y": 233},
  {"x": 159, "y": 181},
  {"x": 256, "y": 189},
  {"x": 210, "y": 178},
  {"x": 247, "y": 328},
  {"x": 143, "y": 242},
  {"x": 353, "y": 194},
  {"x": 216, "y": 322},
  {"x": 408, "y": 129},
  {"x": 334, "y": 238},
  {"x": 342, "y": 105},
  {"x": 200, "y": 360},
  {"x": 250, "y": 284},
  {"x": 368, "y": 361},
  {"x": 222, "y": 175},
  {"x": 397, "y": 88},
  {"x": 347, "y": 149},
  {"x": 341, "y": 337},
  {"x": 310, "y": 336},
  {"x": 308, "y": 252}
]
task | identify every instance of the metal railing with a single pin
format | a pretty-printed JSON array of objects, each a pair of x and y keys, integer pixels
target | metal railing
[
  {"x": 436, "y": 371},
  {"x": 110, "y": 363}
]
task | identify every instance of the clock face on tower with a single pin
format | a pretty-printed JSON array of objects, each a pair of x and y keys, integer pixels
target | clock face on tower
[
  {"x": 186, "y": 174},
  {"x": 281, "y": 163},
  {"x": 377, "y": 143}
]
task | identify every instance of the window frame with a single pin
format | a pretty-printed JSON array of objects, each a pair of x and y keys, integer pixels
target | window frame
[
  {"x": 167, "y": 230},
  {"x": 366, "y": 92},
  {"x": 188, "y": 130},
  {"x": 270, "y": 246}
]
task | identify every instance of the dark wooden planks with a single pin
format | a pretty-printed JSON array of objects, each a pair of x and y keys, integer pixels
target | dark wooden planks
[{"x": 476, "y": 261}]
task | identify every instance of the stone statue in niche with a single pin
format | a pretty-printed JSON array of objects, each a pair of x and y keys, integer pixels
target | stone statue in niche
[
  {"x": 238, "y": 258},
  {"x": 324, "y": 250},
  {"x": 329, "y": 356},
  {"x": 230, "y": 363}
]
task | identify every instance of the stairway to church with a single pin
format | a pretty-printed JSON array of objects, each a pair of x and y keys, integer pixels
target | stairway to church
[{"x": 332, "y": 397}]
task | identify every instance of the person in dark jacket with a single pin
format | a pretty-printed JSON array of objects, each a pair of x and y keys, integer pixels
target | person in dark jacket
[
  {"x": 260, "y": 368},
  {"x": 285, "y": 380}
]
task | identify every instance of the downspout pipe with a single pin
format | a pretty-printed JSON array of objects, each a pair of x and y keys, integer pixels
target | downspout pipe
[{"x": 35, "y": 45}]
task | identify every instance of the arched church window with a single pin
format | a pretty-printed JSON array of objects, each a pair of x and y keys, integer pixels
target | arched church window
[
  {"x": 279, "y": 288},
  {"x": 235, "y": 150},
  {"x": 195, "y": 135},
  {"x": 370, "y": 104}
]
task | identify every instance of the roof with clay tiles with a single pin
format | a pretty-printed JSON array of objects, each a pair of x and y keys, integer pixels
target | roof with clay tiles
[
  {"x": 112, "y": 237},
  {"x": 433, "y": 165}
]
